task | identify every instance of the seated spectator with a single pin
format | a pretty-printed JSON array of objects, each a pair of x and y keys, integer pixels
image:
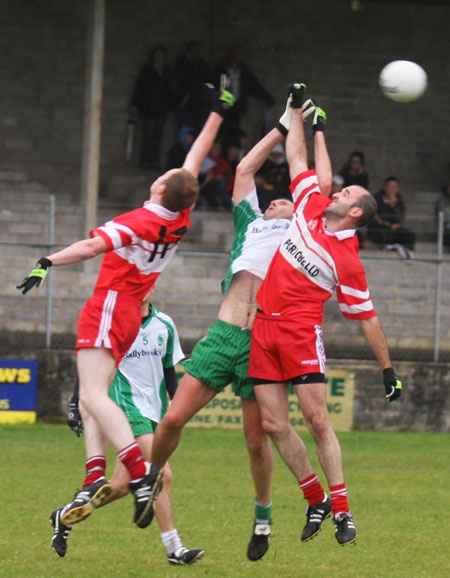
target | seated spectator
[
  {"x": 443, "y": 205},
  {"x": 354, "y": 171},
  {"x": 387, "y": 228},
  {"x": 213, "y": 186},
  {"x": 178, "y": 151}
]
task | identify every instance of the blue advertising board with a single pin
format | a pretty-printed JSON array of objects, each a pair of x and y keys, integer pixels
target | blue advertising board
[{"x": 18, "y": 381}]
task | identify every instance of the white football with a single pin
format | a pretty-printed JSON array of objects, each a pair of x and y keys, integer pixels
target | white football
[{"x": 403, "y": 81}]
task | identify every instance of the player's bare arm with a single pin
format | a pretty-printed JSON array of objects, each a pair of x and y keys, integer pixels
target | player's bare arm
[
  {"x": 245, "y": 172},
  {"x": 221, "y": 101},
  {"x": 376, "y": 338},
  {"x": 79, "y": 251},
  {"x": 202, "y": 144},
  {"x": 322, "y": 163}
]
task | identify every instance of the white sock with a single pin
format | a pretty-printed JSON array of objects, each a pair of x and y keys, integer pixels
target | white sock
[{"x": 172, "y": 542}]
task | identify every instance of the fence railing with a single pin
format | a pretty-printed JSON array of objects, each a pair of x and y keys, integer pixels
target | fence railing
[{"x": 411, "y": 297}]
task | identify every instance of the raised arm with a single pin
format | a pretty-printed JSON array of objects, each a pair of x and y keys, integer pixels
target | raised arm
[
  {"x": 321, "y": 157},
  {"x": 296, "y": 151},
  {"x": 221, "y": 102},
  {"x": 244, "y": 181},
  {"x": 322, "y": 163}
]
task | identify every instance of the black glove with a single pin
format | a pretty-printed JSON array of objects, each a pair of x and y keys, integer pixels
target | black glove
[
  {"x": 297, "y": 89},
  {"x": 74, "y": 420},
  {"x": 392, "y": 385},
  {"x": 319, "y": 118},
  {"x": 221, "y": 100},
  {"x": 37, "y": 275}
]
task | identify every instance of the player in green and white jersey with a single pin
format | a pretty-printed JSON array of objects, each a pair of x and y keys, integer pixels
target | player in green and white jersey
[
  {"x": 145, "y": 378},
  {"x": 222, "y": 356}
]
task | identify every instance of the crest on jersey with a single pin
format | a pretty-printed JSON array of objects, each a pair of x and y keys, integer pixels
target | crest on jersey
[{"x": 312, "y": 224}]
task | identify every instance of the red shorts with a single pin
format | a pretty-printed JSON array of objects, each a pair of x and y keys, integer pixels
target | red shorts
[
  {"x": 282, "y": 348},
  {"x": 109, "y": 319}
]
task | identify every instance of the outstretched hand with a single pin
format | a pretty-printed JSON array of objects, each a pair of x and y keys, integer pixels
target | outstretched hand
[{"x": 36, "y": 277}]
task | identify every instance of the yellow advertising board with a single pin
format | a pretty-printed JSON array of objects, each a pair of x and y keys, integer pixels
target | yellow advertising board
[{"x": 225, "y": 409}]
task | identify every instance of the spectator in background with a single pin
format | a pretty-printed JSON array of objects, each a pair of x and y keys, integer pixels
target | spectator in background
[
  {"x": 443, "y": 204},
  {"x": 191, "y": 72},
  {"x": 354, "y": 171},
  {"x": 277, "y": 170},
  {"x": 232, "y": 156},
  {"x": 387, "y": 228},
  {"x": 213, "y": 188},
  {"x": 152, "y": 98},
  {"x": 178, "y": 151},
  {"x": 243, "y": 84}
]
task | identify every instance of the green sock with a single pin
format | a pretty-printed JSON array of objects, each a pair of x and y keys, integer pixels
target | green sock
[{"x": 263, "y": 513}]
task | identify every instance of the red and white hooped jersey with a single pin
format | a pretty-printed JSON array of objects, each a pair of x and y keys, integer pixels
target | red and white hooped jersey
[
  {"x": 312, "y": 261},
  {"x": 140, "y": 244}
]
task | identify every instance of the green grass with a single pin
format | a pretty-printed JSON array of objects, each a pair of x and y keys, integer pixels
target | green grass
[{"x": 398, "y": 485}]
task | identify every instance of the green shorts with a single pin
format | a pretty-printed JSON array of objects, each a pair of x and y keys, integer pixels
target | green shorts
[
  {"x": 142, "y": 425},
  {"x": 221, "y": 358},
  {"x": 121, "y": 395}
]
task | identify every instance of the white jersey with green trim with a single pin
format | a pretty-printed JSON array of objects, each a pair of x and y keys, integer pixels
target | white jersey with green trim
[
  {"x": 255, "y": 240},
  {"x": 140, "y": 376}
]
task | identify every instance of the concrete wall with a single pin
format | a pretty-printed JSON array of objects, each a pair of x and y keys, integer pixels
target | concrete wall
[
  {"x": 337, "y": 51},
  {"x": 424, "y": 405}
]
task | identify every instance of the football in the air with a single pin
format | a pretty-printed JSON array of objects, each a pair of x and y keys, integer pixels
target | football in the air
[{"x": 403, "y": 81}]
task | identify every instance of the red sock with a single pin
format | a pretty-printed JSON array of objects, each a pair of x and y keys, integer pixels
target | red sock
[
  {"x": 132, "y": 458},
  {"x": 312, "y": 489},
  {"x": 95, "y": 469},
  {"x": 339, "y": 502}
]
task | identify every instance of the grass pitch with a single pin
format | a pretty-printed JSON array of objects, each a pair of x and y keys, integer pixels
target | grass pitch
[{"x": 398, "y": 484}]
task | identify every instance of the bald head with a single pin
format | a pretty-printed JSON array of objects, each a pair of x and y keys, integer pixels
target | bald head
[{"x": 366, "y": 202}]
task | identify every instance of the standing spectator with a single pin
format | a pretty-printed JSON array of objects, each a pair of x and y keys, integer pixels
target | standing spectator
[
  {"x": 243, "y": 84},
  {"x": 354, "y": 171},
  {"x": 152, "y": 98},
  {"x": 443, "y": 205},
  {"x": 191, "y": 71},
  {"x": 387, "y": 228}
]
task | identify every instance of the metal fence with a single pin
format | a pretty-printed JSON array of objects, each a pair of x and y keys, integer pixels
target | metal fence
[{"x": 412, "y": 297}]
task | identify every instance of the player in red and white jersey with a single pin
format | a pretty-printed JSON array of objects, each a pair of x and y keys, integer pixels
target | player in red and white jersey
[
  {"x": 318, "y": 254},
  {"x": 313, "y": 260},
  {"x": 136, "y": 246}
]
